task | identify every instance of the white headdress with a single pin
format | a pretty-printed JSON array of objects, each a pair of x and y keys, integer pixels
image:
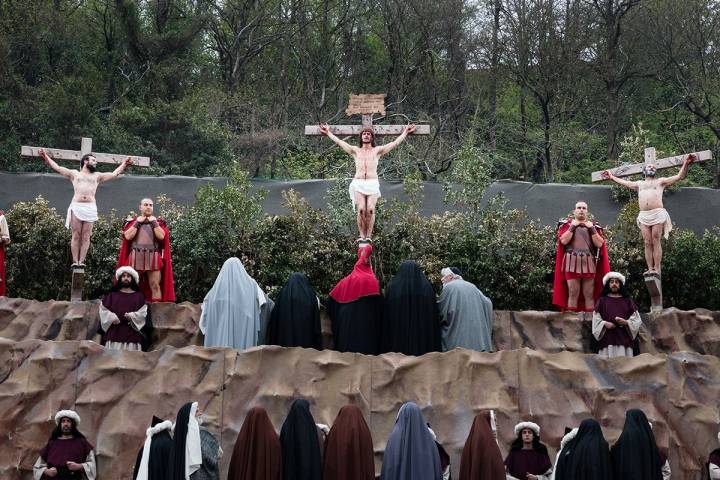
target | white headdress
[
  {"x": 531, "y": 425},
  {"x": 130, "y": 271},
  {"x": 67, "y": 414},
  {"x": 610, "y": 275}
]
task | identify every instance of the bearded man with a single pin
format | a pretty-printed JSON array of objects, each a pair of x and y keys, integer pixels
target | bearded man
[
  {"x": 82, "y": 212},
  {"x": 68, "y": 454},
  {"x": 580, "y": 263},
  {"x": 365, "y": 188},
  {"x": 123, "y": 314},
  {"x": 616, "y": 320},
  {"x": 653, "y": 220}
]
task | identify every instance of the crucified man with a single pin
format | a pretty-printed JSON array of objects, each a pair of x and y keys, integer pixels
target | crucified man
[
  {"x": 82, "y": 212},
  {"x": 653, "y": 220},
  {"x": 365, "y": 187}
]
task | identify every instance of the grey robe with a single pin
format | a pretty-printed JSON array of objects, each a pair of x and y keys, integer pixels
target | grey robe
[
  {"x": 466, "y": 317},
  {"x": 210, "y": 469},
  {"x": 235, "y": 310}
]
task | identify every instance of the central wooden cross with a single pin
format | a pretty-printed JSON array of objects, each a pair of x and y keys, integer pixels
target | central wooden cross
[{"x": 366, "y": 104}]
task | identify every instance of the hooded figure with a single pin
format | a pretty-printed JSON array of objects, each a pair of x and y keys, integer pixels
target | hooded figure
[
  {"x": 349, "y": 447},
  {"x": 635, "y": 456},
  {"x": 523, "y": 460},
  {"x": 355, "y": 308},
  {"x": 257, "y": 454},
  {"x": 586, "y": 456},
  {"x": 235, "y": 310},
  {"x": 481, "y": 458},
  {"x": 411, "y": 452},
  {"x": 301, "y": 457},
  {"x": 154, "y": 456},
  {"x": 411, "y": 324},
  {"x": 67, "y": 453},
  {"x": 186, "y": 453},
  {"x": 295, "y": 319},
  {"x": 466, "y": 314}
]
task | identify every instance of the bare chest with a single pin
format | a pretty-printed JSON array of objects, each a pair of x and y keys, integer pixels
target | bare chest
[{"x": 83, "y": 182}]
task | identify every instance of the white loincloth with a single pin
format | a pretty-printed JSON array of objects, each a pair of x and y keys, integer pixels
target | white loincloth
[
  {"x": 83, "y": 211},
  {"x": 655, "y": 216},
  {"x": 369, "y": 187}
]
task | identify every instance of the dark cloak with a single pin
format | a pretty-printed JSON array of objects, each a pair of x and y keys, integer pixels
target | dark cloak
[
  {"x": 585, "y": 457},
  {"x": 301, "y": 458},
  {"x": 349, "y": 447},
  {"x": 635, "y": 455},
  {"x": 295, "y": 319},
  {"x": 176, "y": 465},
  {"x": 257, "y": 454},
  {"x": 159, "y": 454},
  {"x": 411, "y": 452},
  {"x": 356, "y": 324},
  {"x": 481, "y": 457},
  {"x": 411, "y": 322}
]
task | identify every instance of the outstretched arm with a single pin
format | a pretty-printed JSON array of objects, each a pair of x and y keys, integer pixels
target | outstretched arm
[
  {"x": 104, "y": 177},
  {"x": 384, "y": 149},
  {"x": 667, "y": 181},
  {"x": 65, "y": 172},
  {"x": 347, "y": 148},
  {"x": 607, "y": 174}
]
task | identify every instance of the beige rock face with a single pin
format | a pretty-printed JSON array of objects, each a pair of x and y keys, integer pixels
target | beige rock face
[{"x": 116, "y": 393}]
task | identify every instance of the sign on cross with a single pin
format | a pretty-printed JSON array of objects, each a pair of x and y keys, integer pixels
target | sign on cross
[
  {"x": 663, "y": 163},
  {"x": 85, "y": 148},
  {"x": 366, "y": 104}
]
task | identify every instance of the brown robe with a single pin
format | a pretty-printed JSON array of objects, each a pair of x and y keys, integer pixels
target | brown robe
[
  {"x": 481, "y": 458},
  {"x": 257, "y": 454},
  {"x": 349, "y": 448}
]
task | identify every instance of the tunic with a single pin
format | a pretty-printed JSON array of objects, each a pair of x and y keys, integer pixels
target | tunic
[
  {"x": 126, "y": 334},
  {"x": 145, "y": 249},
  {"x": 616, "y": 342},
  {"x": 58, "y": 451}
]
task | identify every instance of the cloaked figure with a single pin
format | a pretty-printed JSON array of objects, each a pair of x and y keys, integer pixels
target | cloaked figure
[
  {"x": 301, "y": 445},
  {"x": 411, "y": 452},
  {"x": 411, "y": 322},
  {"x": 153, "y": 457},
  {"x": 355, "y": 308},
  {"x": 635, "y": 455},
  {"x": 584, "y": 454},
  {"x": 295, "y": 318},
  {"x": 481, "y": 457},
  {"x": 349, "y": 447},
  {"x": 257, "y": 454}
]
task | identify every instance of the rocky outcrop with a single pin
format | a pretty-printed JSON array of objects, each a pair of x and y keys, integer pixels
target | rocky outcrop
[{"x": 116, "y": 393}]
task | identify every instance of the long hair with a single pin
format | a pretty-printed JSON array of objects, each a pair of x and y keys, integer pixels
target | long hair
[
  {"x": 537, "y": 446},
  {"x": 623, "y": 290},
  {"x": 133, "y": 285},
  {"x": 57, "y": 433},
  {"x": 372, "y": 142}
]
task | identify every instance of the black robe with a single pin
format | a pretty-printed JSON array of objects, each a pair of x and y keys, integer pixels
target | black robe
[
  {"x": 356, "y": 324},
  {"x": 295, "y": 319},
  {"x": 411, "y": 323},
  {"x": 176, "y": 464},
  {"x": 585, "y": 457},
  {"x": 301, "y": 459},
  {"x": 635, "y": 455},
  {"x": 159, "y": 454}
]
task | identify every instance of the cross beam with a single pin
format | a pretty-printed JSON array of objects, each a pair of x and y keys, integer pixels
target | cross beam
[
  {"x": 663, "y": 163},
  {"x": 85, "y": 148}
]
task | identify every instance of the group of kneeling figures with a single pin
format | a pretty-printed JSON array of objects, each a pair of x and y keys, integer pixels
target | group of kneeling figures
[{"x": 304, "y": 450}]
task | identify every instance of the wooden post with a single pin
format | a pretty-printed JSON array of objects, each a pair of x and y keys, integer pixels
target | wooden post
[
  {"x": 76, "y": 288},
  {"x": 654, "y": 286},
  {"x": 663, "y": 163}
]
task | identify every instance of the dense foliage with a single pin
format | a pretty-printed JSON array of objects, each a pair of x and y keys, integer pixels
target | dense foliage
[
  {"x": 544, "y": 89},
  {"x": 509, "y": 257}
]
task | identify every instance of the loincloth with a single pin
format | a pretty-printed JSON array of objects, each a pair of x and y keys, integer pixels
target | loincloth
[
  {"x": 83, "y": 211},
  {"x": 369, "y": 187},
  {"x": 655, "y": 216}
]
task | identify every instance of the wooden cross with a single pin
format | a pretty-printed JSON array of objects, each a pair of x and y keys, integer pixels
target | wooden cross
[
  {"x": 366, "y": 104},
  {"x": 663, "y": 163},
  {"x": 85, "y": 148}
]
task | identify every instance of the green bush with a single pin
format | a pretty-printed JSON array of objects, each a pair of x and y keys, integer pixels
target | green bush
[{"x": 508, "y": 256}]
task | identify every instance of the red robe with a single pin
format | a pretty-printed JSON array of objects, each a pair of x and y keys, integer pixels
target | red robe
[
  {"x": 167, "y": 282},
  {"x": 2, "y": 267},
  {"x": 560, "y": 290}
]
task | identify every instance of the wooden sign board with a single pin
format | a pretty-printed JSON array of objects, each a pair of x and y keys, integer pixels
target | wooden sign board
[{"x": 366, "y": 104}]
